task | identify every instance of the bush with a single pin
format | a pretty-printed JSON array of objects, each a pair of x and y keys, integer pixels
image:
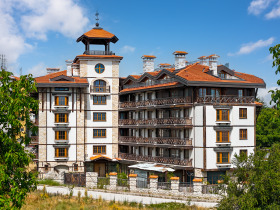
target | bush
[{"x": 49, "y": 182}]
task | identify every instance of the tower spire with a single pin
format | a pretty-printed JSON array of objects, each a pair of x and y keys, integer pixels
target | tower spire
[{"x": 97, "y": 19}]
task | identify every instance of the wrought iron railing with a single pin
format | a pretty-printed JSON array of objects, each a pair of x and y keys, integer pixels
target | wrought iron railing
[
  {"x": 155, "y": 102},
  {"x": 99, "y": 89},
  {"x": 156, "y": 140},
  {"x": 164, "y": 160},
  {"x": 226, "y": 99},
  {"x": 98, "y": 52},
  {"x": 157, "y": 121},
  {"x": 164, "y": 185}
]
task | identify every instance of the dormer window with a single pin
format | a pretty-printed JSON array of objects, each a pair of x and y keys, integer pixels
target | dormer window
[{"x": 222, "y": 75}]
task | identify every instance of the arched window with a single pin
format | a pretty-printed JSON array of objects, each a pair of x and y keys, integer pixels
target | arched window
[
  {"x": 99, "y": 86},
  {"x": 99, "y": 68}
]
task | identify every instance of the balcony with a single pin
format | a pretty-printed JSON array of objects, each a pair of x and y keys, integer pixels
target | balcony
[
  {"x": 98, "y": 52},
  {"x": 156, "y": 140},
  {"x": 225, "y": 99},
  {"x": 156, "y": 122},
  {"x": 164, "y": 160},
  {"x": 34, "y": 140},
  {"x": 99, "y": 89},
  {"x": 155, "y": 102}
]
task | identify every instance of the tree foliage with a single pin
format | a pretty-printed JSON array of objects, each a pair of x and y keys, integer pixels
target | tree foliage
[
  {"x": 15, "y": 105},
  {"x": 255, "y": 182},
  {"x": 268, "y": 127},
  {"x": 275, "y": 94}
]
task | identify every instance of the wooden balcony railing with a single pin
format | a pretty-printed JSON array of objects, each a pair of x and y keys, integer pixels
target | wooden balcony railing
[
  {"x": 155, "y": 102},
  {"x": 155, "y": 140},
  {"x": 99, "y": 89},
  {"x": 164, "y": 160},
  {"x": 226, "y": 99},
  {"x": 157, "y": 121}
]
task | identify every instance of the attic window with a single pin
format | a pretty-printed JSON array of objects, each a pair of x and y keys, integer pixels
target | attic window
[
  {"x": 222, "y": 75},
  {"x": 166, "y": 77}
]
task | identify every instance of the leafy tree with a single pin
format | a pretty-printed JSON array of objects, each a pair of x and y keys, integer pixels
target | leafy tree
[
  {"x": 255, "y": 182},
  {"x": 268, "y": 127},
  {"x": 15, "y": 105},
  {"x": 275, "y": 94}
]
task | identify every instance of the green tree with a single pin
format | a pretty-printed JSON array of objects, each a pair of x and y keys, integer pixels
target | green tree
[
  {"x": 255, "y": 182},
  {"x": 15, "y": 105},
  {"x": 275, "y": 94},
  {"x": 268, "y": 127}
]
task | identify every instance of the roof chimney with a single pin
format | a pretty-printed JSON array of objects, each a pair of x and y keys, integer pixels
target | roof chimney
[
  {"x": 148, "y": 63},
  {"x": 213, "y": 63},
  {"x": 203, "y": 60},
  {"x": 180, "y": 59},
  {"x": 52, "y": 70},
  {"x": 69, "y": 69}
]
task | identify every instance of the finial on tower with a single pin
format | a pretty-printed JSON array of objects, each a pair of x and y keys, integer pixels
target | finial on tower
[{"x": 97, "y": 19}]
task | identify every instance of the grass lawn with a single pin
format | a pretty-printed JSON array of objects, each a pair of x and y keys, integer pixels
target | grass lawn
[{"x": 41, "y": 200}]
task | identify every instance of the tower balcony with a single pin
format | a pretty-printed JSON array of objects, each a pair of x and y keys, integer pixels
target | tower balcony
[
  {"x": 98, "y": 52},
  {"x": 157, "y": 141},
  {"x": 155, "y": 102},
  {"x": 157, "y": 159},
  {"x": 99, "y": 89}
]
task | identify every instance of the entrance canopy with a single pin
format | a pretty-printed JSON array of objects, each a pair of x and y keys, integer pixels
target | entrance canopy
[
  {"x": 98, "y": 157},
  {"x": 152, "y": 167}
]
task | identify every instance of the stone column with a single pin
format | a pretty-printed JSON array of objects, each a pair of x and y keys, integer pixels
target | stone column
[
  {"x": 113, "y": 180},
  {"x": 91, "y": 179},
  {"x": 174, "y": 184},
  {"x": 132, "y": 182},
  {"x": 153, "y": 182},
  {"x": 197, "y": 186}
]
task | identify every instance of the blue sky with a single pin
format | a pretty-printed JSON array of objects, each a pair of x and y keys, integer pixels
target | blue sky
[{"x": 36, "y": 34}]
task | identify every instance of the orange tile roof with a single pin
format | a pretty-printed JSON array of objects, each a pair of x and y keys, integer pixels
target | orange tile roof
[
  {"x": 180, "y": 52},
  {"x": 212, "y": 56},
  {"x": 164, "y": 64},
  {"x": 258, "y": 103},
  {"x": 46, "y": 78},
  {"x": 148, "y": 56},
  {"x": 136, "y": 76},
  {"x": 99, "y": 157},
  {"x": 152, "y": 86},
  {"x": 202, "y": 57},
  {"x": 99, "y": 33}
]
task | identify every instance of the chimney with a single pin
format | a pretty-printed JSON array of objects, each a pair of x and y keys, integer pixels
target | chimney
[
  {"x": 180, "y": 59},
  {"x": 203, "y": 60},
  {"x": 148, "y": 63},
  {"x": 52, "y": 70},
  {"x": 213, "y": 63},
  {"x": 69, "y": 68}
]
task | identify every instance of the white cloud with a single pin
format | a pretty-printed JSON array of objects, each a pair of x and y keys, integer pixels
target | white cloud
[
  {"x": 258, "y": 6},
  {"x": 38, "y": 70},
  {"x": 252, "y": 46},
  {"x": 21, "y": 19},
  {"x": 274, "y": 13},
  {"x": 127, "y": 49},
  {"x": 265, "y": 96}
]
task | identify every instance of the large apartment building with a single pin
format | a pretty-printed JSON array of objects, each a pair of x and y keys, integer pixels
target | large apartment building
[{"x": 189, "y": 118}]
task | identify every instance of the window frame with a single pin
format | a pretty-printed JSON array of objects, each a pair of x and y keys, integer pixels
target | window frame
[
  {"x": 102, "y": 118},
  {"x": 99, "y": 68},
  {"x": 57, "y": 136},
  {"x": 219, "y": 136},
  {"x": 75, "y": 167},
  {"x": 244, "y": 151},
  {"x": 58, "y": 118},
  {"x": 219, "y": 114},
  {"x": 57, "y": 152},
  {"x": 243, "y": 112},
  {"x": 100, "y": 149},
  {"x": 243, "y": 134},
  {"x": 101, "y": 132},
  {"x": 102, "y": 102},
  {"x": 220, "y": 158},
  {"x": 57, "y": 101},
  {"x": 61, "y": 89}
]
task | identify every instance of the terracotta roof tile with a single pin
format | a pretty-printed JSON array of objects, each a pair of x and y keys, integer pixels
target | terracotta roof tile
[
  {"x": 180, "y": 52},
  {"x": 99, "y": 33},
  {"x": 212, "y": 56},
  {"x": 164, "y": 64},
  {"x": 152, "y": 86},
  {"x": 148, "y": 56},
  {"x": 202, "y": 57}
]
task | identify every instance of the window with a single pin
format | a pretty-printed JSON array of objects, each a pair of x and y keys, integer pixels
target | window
[
  {"x": 61, "y": 152},
  {"x": 99, "y": 100},
  {"x": 99, "y": 149},
  {"x": 99, "y": 68},
  {"x": 222, "y": 115},
  {"x": 222, "y": 136},
  {"x": 215, "y": 92},
  {"x": 202, "y": 92},
  {"x": 99, "y": 116},
  {"x": 61, "y": 89},
  {"x": 243, "y": 152},
  {"x": 61, "y": 135},
  {"x": 61, "y": 101},
  {"x": 75, "y": 167},
  {"x": 99, "y": 86},
  {"x": 243, "y": 113},
  {"x": 222, "y": 75},
  {"x": 240, "y": 93},
  {"x": 243, "y": 134},
  {"x": 222, "y": 157},
  {"x": 46, "y": 167},
  {"x": 99, "y": 133},
  {"x": 61, "y": 118}
]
